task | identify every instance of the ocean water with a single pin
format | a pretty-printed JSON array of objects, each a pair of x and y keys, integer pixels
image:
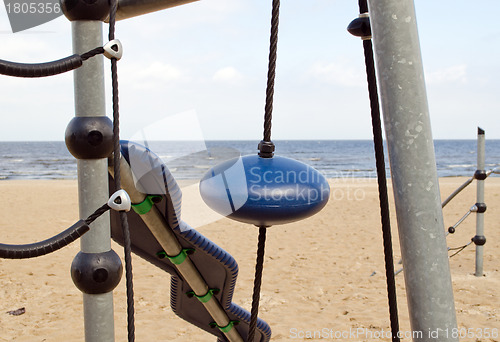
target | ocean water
[{"x": 190, "y": 160}]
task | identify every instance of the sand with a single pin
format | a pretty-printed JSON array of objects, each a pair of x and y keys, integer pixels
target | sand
[{"x": 322, "y": 274}]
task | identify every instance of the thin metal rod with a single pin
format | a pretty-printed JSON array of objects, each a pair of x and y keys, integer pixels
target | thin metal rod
[
  {"x": 93, "y": 176},
  {"x": 466, "y": 184},
  {"x": 473, "y": 209},
  {"x": 414, "y": 175},
  {"x": 398, "y": 271},
  {"x": 448, "y": 200},
  {"x": 167, "y": 239},
  {"x": 457, "y": 191},
  {"x": 480, "y": 199}
]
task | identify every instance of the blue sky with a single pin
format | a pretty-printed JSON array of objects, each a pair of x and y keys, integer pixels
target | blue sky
[{"x": 210, "y": 58}]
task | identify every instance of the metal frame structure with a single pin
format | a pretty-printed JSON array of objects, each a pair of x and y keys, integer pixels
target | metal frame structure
[
  {"x": 410, "y": 146},
  {"x": 411, "y": 151},
  {"x": 93, "y": 173}
]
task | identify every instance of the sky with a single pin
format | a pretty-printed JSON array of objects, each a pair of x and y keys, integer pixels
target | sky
[{"x": 207, "y": 61}]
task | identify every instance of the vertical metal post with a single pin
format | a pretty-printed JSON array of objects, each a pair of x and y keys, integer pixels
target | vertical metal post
[
  {"x": 480, "y": 201},
  {"x": 413, "y": 170},
  {"x": 93, "y": 175}
]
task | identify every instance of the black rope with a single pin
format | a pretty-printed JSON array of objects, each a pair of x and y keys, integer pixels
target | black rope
[
  {"x": 382, "y": 182},
  {"x": 458, "y": 249},
  {"x": 92, "y": 53},
  {"x": 96, "y": 214},
  {"x": 266, "y": 147},
  {"x": 271, "y": 73},
  {"x": 259, "y": 266},
  {"x": 32, "y": 70},
  {"x": 117, "y": 179},
  {"x": 33, "y": 250}
]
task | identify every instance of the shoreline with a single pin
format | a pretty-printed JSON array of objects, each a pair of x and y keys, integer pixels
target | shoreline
[{"x": 195, "y": 179}]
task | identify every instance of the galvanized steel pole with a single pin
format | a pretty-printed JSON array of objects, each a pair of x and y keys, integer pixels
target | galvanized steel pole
[
  {"x": 93, "y": 175},
  {"x": 413, "y": 170},
  {"x": 97, "y": 269},
  {"x": 480, "y": 177}
]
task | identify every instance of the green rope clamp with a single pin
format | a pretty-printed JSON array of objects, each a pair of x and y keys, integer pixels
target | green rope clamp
[
  {"x": 227, "y": 328},
  {"x": 206, "y": 297},
  {"x": 146, "y": 205},
  {"x": 179, "y": 258}
]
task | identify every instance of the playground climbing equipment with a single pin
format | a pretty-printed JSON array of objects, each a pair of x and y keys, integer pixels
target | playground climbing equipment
[{"x": 203, "y": 275}]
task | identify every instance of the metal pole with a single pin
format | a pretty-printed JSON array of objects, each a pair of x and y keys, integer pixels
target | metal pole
[
  {"x": 413, "y": 169},
  {"x": 93, "y": 175},
  {"x": 480, "y": 202}
]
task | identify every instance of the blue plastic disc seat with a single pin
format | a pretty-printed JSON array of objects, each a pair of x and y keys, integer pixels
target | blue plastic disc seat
[{"x": 264, "y": 191}]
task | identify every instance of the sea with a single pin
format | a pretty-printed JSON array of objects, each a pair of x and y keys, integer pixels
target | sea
[{"x": 191, "y": 160}]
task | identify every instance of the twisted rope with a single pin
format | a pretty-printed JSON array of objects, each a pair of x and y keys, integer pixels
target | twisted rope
[
  {"x": 254, "y": 313},
  {"x": 459, "y": 249},
  {"x": 117, "y": 178},
  {"x": 266, "y": 148},
  {"x": 381, "y": 178},
  {"x": 271, "y": 73},
  {"x": 96, "y": 214},
  {"x": 94, "y": 52}
]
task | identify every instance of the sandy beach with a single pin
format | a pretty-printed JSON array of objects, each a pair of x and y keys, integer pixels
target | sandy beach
[{"x": 322, "y": 273}]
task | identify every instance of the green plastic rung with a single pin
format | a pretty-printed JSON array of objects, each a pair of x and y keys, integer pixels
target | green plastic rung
[
  {"x": 145, "y": 206},
  {"x": 206, "y": 297},
  {"x": 227, "y": 328},
  {"x": 179, "y": 258}
]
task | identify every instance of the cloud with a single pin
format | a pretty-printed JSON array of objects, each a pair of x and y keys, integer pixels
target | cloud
[
  {"x": 344, "y": 75},
  {"x": 228, "y": 75},
  {"x": 183, "y": 126},
  {"x": 152, "y": 75},
  {"x": 195, "y": 14},
  {"x": 452, "y": 74},
  {"x": 337, "y": 73}
]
